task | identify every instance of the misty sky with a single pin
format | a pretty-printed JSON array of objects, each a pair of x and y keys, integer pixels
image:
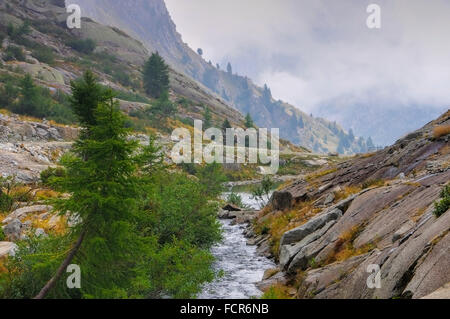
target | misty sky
[{"x": 316, "y": 52}]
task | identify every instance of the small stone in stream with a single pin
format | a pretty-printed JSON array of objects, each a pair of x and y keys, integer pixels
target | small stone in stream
[{"x": 231, "y": 208}]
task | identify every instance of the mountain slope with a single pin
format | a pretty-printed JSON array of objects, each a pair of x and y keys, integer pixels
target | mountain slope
[
  {"x": 116, "y": 55},
  {"x": 149, "y": 21}
]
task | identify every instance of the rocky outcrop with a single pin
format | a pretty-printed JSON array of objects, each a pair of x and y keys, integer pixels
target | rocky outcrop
[
  {"x": 311, "y": 226},
  {"x": 389, "y": 225},
  {"x": 13, "y": 230},
  {"x": 23, "y": 212},
  {"x": 7, "y": 248},
  {"x": 281, "y": 200}
]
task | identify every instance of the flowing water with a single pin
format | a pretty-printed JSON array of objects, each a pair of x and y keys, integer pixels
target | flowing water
[{"x": 240, "y": 265}]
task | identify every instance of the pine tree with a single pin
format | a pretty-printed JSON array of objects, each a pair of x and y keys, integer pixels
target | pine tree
[
  {"x": 226, "y": 124},
  {"x": 351, "y": 135},
  {"x": 267, "y": 95},
  {"x": 163, "y": 107},
  {"x": 100, "y": 179},
  {"x": 29, "y": 97},
  {"x": 86, "y": 96},
  {"x": 207, "y": 118},
  {"x": 229, "y": 68},
  {"x": 249, "y": 121},
  {"x": 156, "y": 76}
]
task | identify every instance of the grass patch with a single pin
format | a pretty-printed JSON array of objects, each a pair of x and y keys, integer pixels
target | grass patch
[
  {"x": 277, "y": 223},
  {"x": 347, "y": 191},
  {"x": 372, "y": 183},
  {"x": 441, "y": 130},
  {"x": 344, "y": 248},
  {"x": 320, "y": 174},
  {"x": 277, "y": 292}
]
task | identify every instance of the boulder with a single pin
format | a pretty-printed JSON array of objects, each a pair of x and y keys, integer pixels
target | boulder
[
  {"x": 23, "y": 212},
  {"x": 297, "y": 234},
  {"x": 40, "y": 233},
  {"x": 288, "y": 252},
  {"x": 281, "y": 200},
  {"x": 7, "y": 248},
  {"x": 403, "y": 231},
  {"x": 329, "y": 199},
  {"x": 279, "y": 278},
  {"x": 13, "y": 230}
]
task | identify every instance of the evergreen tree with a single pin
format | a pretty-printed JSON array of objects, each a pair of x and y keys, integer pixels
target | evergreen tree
[
  {"x": 249, "y": 121},
  {"x": 29, "y": 97},
  {"x": 226, "y": 124},
  {"x": 267, "y": 95},
  {"x": 229, "y": 68},
  {"x": 163, "y": 107},
  {"x": 156, "y": 76},
  {"x": 370, "y": 144},
  {"x": 351, "y": 135},
  {"x": 207, "y": 118},
  {"x": 86, "y": 96}
]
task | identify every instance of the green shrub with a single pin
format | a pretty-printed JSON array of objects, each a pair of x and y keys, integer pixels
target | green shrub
[
  {"x": 131, "y": 97},
  {"x": 50, "y": 173},
  {"x": 442, "y": 206},
  {"x": 2, "y": 235},
  {"x": 86, "y": 46},
  {"x": 6, "y": 202},
  {"x": 14, "y": 53},
  {"x": 44, "y": 54},
  {"x": 122, "y": 77},
  {"x": 38, "y": 102},
  {"x": 236, "y": 200}
]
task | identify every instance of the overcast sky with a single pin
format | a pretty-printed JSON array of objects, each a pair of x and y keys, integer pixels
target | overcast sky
[{"x": 313, "y": 52}]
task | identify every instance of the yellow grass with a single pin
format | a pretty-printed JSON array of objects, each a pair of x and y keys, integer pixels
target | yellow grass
[
  {"x": 415, "y": 218},
  {"x": 44, "y": 194},
  {"x": 319, "y": 174},
  {"x": 277, "y": 292},
  {"x": 347, "y": 191},
  {"x": 3, "y": 265},
  {"x": 344, "y": 248},
  {"x": 441, "y": 130},
  {"x": 59, "y": 229},
  {"x": 277, "y": 223},
  {"x": 368, "y": 155}
]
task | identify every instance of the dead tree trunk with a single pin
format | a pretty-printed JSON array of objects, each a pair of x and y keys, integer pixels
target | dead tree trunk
[{"x": 52, "y": 282}]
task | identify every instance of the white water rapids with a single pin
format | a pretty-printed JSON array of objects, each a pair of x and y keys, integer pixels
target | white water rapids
[{"x": 239, "y": 263}]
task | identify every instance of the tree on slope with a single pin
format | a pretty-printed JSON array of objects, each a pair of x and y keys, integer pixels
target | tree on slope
[{"x": 156, "y": 76}]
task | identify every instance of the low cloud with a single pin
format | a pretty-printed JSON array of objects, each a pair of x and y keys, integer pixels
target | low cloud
[{"x": 316, "y": 52}]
